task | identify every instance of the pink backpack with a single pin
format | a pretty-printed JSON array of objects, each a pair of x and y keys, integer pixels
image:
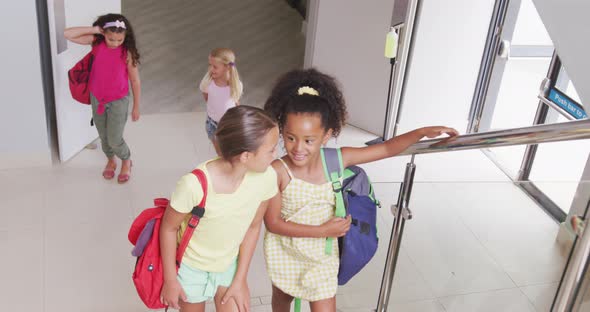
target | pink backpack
[{"x": 79, "y": 77}]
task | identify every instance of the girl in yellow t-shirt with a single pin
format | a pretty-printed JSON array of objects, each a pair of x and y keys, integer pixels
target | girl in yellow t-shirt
[{"x": 240, "y": 184}]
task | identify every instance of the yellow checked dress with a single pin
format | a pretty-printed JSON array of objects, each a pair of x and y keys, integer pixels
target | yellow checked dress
[{"x": 299, "y": 266}]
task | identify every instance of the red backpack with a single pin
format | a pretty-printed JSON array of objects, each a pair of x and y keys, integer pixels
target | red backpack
[
  {"x": 148, "y": 276},
  {"x": 79, "y": 76}
]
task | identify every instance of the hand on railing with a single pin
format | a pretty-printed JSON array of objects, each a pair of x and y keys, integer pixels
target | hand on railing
[
  {"x": 565, "y": 131},
  {"x": 433, "y": 132}
]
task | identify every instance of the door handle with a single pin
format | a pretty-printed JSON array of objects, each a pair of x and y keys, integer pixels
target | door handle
[{"x": 504, "y": 49}]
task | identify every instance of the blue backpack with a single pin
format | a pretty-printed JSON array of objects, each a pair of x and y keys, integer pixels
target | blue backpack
[{"x": 355, "y": 197}]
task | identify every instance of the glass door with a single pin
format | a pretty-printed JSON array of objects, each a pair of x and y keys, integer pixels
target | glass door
[{"x": 522, "y": 82}]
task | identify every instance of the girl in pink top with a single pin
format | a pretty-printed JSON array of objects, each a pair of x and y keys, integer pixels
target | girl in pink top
[
  {"x": 221, "y": 88},
  {"x": 114, "y": 65}
]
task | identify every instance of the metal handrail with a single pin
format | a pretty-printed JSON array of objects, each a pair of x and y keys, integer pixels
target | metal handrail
[
  {"x": 556, "y": 107},
  {"x": 565, "y": 131}
]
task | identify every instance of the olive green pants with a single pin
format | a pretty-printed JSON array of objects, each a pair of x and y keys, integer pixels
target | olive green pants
[{"x": 110, "y": 126}]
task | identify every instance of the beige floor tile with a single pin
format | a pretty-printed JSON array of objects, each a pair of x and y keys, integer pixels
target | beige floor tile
[
  {"x": 418, "y": 306},
  {"x": 23, "y": 275},
  {"x": 508, "y": 300},
  {"x": 541, "y": 296},
  {"x": 445, "y": 251},
  {"x": 88, "y": 267}
]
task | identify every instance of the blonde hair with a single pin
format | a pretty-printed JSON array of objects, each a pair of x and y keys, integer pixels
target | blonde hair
[{"x": 227, "y": 57}]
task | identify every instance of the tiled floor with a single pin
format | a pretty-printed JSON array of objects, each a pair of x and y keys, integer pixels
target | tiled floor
[{"x": 476, "y": 242}]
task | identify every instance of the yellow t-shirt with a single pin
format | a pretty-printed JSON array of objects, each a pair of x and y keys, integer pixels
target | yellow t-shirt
[{"x": 217, "y": 238}]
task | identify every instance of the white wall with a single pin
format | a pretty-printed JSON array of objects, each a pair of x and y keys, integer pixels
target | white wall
[
  {"x": 568, "y": 25},
  {"x": 349, "y": 43},
  {"x": 448, "y": 45},
  {"x": 449, "y": 41},
  {"x": 529, "y": 29},
  {"x": 23, "y": 129},
  {"x": 73, "y": 118}
]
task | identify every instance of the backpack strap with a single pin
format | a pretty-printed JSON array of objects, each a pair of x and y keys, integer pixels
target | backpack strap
[
  {"x": 297, "y": 305},
  {"x": 196, "y": 214},
  {"x": 334, "y": 171}
]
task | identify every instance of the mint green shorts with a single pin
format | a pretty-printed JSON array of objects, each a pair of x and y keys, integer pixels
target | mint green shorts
[{"x": 200, "y": 286}]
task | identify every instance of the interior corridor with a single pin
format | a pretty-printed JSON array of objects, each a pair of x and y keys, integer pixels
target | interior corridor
[
  {"x": 476, "y": 241},
  {"x": 176, "y": 36}
]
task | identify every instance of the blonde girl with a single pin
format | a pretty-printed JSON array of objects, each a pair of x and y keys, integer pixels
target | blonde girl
[{"x": 221, "y": 88}]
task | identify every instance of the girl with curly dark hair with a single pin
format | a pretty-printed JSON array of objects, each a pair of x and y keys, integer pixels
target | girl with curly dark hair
[
  {"x": 115, "y": 64},
  {"x": 301, "y": 263}
]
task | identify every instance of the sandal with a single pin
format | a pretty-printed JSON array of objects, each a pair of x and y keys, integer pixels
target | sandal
[
  {"x": 124, "y": 177},
  {"x": 109, "y": 173}
]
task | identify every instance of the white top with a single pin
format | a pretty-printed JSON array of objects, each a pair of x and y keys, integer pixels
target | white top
[{"x": 218, "y": 100}]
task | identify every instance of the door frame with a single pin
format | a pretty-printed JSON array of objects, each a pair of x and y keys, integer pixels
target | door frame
[
  {"x": 492, "y": 67},
  {"x": 47, "y": 73}
]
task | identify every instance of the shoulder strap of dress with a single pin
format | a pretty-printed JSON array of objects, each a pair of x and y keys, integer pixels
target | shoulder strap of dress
[{"x": 287, "y": 168}]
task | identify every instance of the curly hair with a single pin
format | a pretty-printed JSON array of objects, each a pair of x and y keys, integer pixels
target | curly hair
[
  {"x": 129, "y": 42},
  {"x": 329, "y": 103}
]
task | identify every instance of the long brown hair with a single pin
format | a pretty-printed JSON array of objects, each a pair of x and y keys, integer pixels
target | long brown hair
[
  {"x": 242, "y": 129},
  {"x": 128, "y": 43}
]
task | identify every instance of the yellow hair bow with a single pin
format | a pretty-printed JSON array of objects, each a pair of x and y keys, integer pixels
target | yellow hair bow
[{"x": 307, "y": 90}]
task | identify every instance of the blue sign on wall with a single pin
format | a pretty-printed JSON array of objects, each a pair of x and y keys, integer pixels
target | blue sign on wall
[{"x": 567, "y": 104}]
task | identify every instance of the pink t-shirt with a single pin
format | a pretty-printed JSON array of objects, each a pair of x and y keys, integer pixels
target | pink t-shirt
[
  {"x": 109, "y": 77},
  {"x": 218, "y": 101}
]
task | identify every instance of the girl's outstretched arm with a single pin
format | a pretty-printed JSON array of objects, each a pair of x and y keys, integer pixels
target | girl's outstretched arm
[
  {"x": 274, "y": 222},
  {"x": 238, "y": 290},
  {"x": 360, "y": 155},
  {"x": 169, "y": 227},
  {"x": 82, "y": 35}
]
